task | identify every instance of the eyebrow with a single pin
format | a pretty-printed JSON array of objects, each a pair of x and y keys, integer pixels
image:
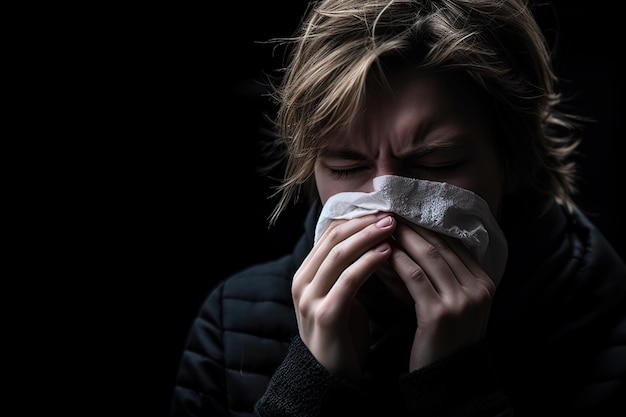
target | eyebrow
[
  {"x": 426, "y": 149},
  {"x": 343, "y": 153},
  {"x": 417, "y": 152}
]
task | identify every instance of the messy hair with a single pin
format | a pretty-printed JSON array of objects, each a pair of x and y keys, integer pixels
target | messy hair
[{"x": 498, "y": 44}]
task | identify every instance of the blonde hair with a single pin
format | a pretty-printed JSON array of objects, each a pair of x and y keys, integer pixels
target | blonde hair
[{"x": 497, "y": 43}]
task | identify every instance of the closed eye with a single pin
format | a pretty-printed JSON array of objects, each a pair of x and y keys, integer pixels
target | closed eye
[
  {"x": 437, "y": 169},
  {"x": 346, "y": 173}
]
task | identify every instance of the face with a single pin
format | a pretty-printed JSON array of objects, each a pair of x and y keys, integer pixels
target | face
[{"x": 428, "y": 126}]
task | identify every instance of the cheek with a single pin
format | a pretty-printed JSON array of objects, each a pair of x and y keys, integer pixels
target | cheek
[
  {"x": 486, "y": 181},
  {"x": 492, "y": 182},
  {"x": 326, "y": 187},
  {"x": 483, "y": 176},
  {"x": 490, "y": 191}
]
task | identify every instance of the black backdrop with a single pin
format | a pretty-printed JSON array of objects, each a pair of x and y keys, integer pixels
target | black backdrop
[{"x": 192, "y": 206}]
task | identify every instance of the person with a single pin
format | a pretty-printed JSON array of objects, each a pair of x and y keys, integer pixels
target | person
[{"x": 383, "y": 315}]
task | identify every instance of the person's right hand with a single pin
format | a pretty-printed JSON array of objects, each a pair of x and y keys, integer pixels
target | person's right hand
[{"x": 331, "y": 322}]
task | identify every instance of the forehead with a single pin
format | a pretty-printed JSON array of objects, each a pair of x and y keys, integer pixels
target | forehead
[
  {"x": 412, "y": 105},
  {"x": 442, "y": 93}
]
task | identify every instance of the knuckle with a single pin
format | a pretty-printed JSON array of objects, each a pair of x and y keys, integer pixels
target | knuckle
[
  {"x": 334, "y": 233},
  {"x": 304, "y": 309},
  {"x": 489, "y": 284},
  {"x": 336, "y": 253},
  {"x": 485, "y": 294},
  {"x": 348, "y": 280},
  {"x": 432, "y": 251},
  {"x": 460, "y": 305},
  {"x": 453, "y": 308},
  {"x": 417, "y": 274},
  {"x": 296, "y": 295},
  {"x": 297, "y": 286},
  {"x": 324, "y": 317}
]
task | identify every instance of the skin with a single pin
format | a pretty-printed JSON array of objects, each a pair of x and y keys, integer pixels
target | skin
[{"x": 431, "y": 127}]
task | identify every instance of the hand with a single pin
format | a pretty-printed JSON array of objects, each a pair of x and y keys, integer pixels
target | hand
[
  {"x": 452, "y": 292},
  {"x": 331, "y": 322}
]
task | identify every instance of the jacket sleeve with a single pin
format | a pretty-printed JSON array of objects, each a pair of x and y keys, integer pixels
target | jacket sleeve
[
  {"x": 200, "y": 384},
  {"x": 464, "y": 384}
]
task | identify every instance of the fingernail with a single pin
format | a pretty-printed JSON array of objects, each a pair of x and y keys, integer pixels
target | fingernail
[
  {"x": 383, "y": 247},
  {"x": 384, "y": 222}
]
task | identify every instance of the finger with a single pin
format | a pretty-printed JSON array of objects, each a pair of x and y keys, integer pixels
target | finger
[
  {"x": 415, "y": 279},
  {"x": 448, "y": 248},
  {"x": 467, "y": 270},
  {"x": 431, "y": 253},
  {"x": 345, "y": 253},
  {"x": 344, "y": 290},
  {"x": 335, "y": 233},
  {"x": 473, "y": 272},
  {"x": 463, "y": 253}
]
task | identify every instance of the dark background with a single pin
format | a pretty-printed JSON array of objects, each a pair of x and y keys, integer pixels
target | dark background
[{"x": 187, "y": 206}]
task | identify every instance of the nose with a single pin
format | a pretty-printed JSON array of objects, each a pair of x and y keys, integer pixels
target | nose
[
  {"x": 386, "y": 170},
  {"x": 395, "y": 168}
]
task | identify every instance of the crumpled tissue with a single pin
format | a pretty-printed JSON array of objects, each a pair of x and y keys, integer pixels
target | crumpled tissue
[{"x": 438, "y": 206}]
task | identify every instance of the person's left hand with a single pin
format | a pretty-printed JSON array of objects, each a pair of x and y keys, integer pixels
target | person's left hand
[{"x": 452, "y": 292}]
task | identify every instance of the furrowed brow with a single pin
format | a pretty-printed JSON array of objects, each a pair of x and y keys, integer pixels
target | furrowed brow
[{"x": 342, "y": 153}]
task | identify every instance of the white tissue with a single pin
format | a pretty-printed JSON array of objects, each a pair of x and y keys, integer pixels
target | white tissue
[{"x": 438, "y": 206}]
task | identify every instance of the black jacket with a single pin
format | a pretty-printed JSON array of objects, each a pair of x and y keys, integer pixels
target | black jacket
[{"x": 556, "y": 342}]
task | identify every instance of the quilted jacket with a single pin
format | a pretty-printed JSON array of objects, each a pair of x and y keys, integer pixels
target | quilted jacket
[{"x": 556, "y": 342}]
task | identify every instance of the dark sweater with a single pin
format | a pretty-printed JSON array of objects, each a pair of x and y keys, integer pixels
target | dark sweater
[{"x": 556, "y": 342}]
